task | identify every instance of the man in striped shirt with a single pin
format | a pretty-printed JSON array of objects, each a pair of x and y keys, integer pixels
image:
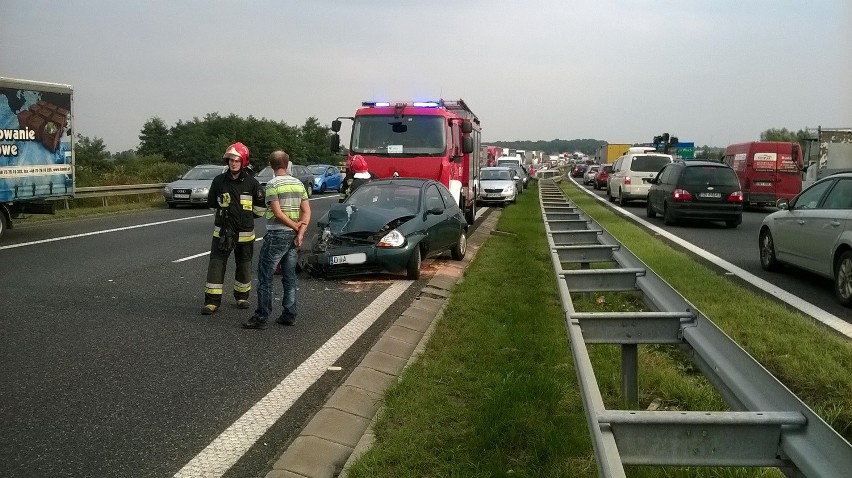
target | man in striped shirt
[{"x": 288, "y": 214}]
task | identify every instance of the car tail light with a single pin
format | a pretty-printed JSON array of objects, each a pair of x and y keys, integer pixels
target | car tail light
[
  {"x": 626, "y": 179},
  {"x": 736, "y": 196},
  {"x": 681, "y": 195}
]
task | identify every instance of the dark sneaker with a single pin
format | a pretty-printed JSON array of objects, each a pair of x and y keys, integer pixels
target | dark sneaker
[
  {"x": 285, "y": 321},
  {"x": 209, "y": 309},
  {"x": 254, "y": 323},
  {"x": 243, "y": 304}
]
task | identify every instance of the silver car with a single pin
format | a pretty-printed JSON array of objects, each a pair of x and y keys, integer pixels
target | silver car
[
  {"x": 193, "y": 186},
  {"x": 813, "y": 231},
  {"x": 497, "y": 185}
]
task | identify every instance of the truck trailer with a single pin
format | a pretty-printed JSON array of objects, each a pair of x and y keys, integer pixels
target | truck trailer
[
  {"x": 827, "y": 151},
  {"x": 36, "y": 148},
  {"x": 437, "y": 140},
  {"x": 608, "y": 153}
]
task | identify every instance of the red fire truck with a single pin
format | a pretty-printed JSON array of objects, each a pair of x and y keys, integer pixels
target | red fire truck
[{"x": 432, "y": 139}]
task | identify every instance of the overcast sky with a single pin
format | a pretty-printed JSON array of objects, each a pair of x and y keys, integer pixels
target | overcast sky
[{"x": 712, "y": 72}]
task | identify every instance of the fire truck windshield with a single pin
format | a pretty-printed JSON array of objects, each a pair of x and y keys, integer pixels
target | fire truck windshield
[{"x": 404, "y": 136}]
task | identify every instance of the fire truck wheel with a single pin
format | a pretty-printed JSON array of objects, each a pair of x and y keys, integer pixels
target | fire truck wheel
[
  {"x": 2, "y": 223},
  {"x": 470, "y": 213}
]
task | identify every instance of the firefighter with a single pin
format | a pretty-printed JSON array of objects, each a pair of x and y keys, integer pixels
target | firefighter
[
  {"x": 360, "y": 175},
  {"x": 236, "y": 199}
]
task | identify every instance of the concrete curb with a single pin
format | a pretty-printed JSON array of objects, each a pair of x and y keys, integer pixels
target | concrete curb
[{"x": 342, "y": 430}]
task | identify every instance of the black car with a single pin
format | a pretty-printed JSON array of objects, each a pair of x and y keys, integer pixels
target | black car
[
  {"x": 387, "y": 225},
  {"x": 696, "y": 190},
  {"x": 578, "y": 170},
  {"x": 302, "y": 173}
]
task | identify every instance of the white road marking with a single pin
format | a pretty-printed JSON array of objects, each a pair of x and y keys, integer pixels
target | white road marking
[
  {"x": 94, "y": 233},
  {"x": 237, "y": 439}
]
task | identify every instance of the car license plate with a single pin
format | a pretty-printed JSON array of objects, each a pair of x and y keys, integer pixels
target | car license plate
[
  {"x": 357, "y": 258},
  {"x": 181, "y": 196},
  {"x": 709, "y": 195}
]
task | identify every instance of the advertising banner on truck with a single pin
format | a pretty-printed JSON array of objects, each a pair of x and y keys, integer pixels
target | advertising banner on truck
[{"x": 35, "y": 143}]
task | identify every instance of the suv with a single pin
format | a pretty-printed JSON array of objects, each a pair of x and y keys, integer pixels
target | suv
[
  {"x": 701, "y": 190},
  {"x": 632, "y": 174}
]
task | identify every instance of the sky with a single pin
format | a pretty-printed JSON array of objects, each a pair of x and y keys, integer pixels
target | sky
[{"x": 714, "y": 72}]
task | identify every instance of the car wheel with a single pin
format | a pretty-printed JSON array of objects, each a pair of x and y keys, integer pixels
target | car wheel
[
  {"x": 413, "y": 268},
  {"x": 668, "y": 217},
  {"x": 3, "y": 224},
  {"x": 310, "y": 191},
  {"x": 621, "y": 201},
  {"x": 609, "y": 195},
  {"x": 768, "y": 260},
  {"x": 470, "y": 213},
  {"x": 843, "y": 278},
  {"x": 649, "y": 210},
  {"x": 460, "y": 249}
]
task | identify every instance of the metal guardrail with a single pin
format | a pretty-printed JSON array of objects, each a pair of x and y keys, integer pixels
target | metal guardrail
[
  {"x": 769, "y": 425},
  {"x": 120, "y": 190}
]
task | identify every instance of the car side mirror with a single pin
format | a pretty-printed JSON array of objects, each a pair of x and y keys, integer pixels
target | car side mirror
[
  {"x": 782, "y": 203},
  {"x": 517, "y": 178},
  {"x": 335, "y": 142}
]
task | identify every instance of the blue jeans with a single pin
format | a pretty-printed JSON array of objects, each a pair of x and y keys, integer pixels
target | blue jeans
[{"x": 277, "y": 247}]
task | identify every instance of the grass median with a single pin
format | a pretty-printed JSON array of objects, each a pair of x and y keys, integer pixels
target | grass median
[{"x": 495, "y": 394}]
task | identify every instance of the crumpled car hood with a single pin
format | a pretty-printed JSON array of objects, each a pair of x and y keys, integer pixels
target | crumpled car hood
[{"x": 344, "y": 219}]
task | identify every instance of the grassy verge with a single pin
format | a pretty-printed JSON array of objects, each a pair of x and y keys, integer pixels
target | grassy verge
[
  {"x": 94, "y": 206},
  {"x": 495, "y": 394}
]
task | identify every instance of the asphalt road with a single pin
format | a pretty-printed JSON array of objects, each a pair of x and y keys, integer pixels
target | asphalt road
[
  {"x": 739, "y": 246},
  {"x": 110, "y": 370}
]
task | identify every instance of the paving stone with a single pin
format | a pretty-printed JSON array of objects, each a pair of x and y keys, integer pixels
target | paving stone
[
  {"x": 403, "y": 334},
  {"x": 419, "y": 313},
  {"x": 420, "y": 325},
  {"x": 441, "y": 293},
  {"x": 314, "y": 457},
  {"x": 369, "y": 379},
  {"x": 394, "y": 347},
  {"x": 356, "y": 401},
  {"x": 334, "y": 425},
  {"x": 384, "y": 363}
]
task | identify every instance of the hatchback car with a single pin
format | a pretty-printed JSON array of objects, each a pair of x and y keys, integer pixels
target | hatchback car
[
  {"x": 589, "y": 174},
  {"x": 601, "y": 176},
  {"x": 326, "y": 177},
  {"x": 497, "y": 185},
  {"x": 302, "y": 173},
  {"x": 696, "y": 190},
  {"x": 813, "y": 231},
  {"x": 632, "y": 174},
  {"x": 387, "y": 225},
  {"x": 578, "y": 170},
  {"x": 193, "y": 186},
  {"x": 523, "y": 177}
]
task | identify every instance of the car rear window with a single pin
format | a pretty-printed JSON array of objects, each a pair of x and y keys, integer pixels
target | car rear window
[
  {"x": 649, "y": 164},
  {"x": 709, "y": 176}
]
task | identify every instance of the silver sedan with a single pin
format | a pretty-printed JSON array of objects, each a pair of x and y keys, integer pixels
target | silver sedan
[{"x": 814, "y": 232}]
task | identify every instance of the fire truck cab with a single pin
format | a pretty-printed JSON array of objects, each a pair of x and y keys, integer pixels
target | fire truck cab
[{"x": 437, "y": 140}]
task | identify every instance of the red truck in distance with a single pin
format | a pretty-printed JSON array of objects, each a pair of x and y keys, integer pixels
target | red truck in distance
[{"x": 437, "y": 140}]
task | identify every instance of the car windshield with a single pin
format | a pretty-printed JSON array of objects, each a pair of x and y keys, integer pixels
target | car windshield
[
  {"x": 406, "y": 135},
  {"x": 709, "y": 176},
  {"x": 317, "y": 169},
  {"x": 649, "y": 164},
  {"x": 264, "y": 173},
  {"x": 387, "y": 196},
  {"x": 202, "y": 173},
  {"x": 494, "y": 174}
]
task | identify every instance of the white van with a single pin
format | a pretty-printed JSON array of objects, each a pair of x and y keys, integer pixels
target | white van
[{"x": 631, "y": 175}]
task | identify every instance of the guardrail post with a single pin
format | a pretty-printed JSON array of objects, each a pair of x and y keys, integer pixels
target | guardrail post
[{"x": 630, "y": 375}]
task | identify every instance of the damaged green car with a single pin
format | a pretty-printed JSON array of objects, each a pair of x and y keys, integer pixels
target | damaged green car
[{"x": 387, "y": 225}]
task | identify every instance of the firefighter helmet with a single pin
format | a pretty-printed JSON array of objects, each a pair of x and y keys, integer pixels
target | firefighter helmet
[
  {"x": 359, "y": 164},
  {"x": 238, "y": 150}
]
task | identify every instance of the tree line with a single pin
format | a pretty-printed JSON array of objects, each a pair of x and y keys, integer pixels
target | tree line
[{"x": 166, "y": 152}]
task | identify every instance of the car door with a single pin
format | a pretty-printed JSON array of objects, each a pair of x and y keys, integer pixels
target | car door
[
  {"x": 825, "y": 225},
  {"x": 440, "y": 227},
  {"x": 615, "y": 176},
  {"x": 794, "y": 232},
  {"x": 659, "y": 190}
]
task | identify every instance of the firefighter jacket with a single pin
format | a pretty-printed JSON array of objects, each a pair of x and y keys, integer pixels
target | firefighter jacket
[{"x": 236, "y": 203}]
